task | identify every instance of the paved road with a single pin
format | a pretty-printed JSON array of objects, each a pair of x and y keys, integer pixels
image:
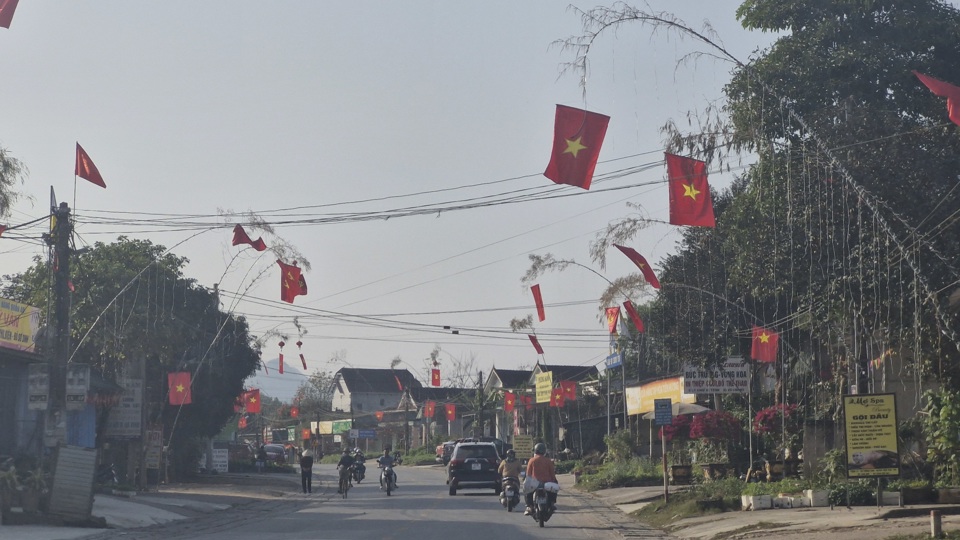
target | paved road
[{"x": 421, "y": 509}]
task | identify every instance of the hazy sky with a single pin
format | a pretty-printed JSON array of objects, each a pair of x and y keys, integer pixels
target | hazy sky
[{"x": 341, "y": 113}]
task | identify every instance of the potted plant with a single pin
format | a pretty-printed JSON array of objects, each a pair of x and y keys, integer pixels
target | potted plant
[
  {"x": 779, "y": 425},
  {"x": 713, "y": 432},
  {"x": 678, "y": 435},
  {"x": 9, "y": 486},
  {"x": 34, "y": 484}
]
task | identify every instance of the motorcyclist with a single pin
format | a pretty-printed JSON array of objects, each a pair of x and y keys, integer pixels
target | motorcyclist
[
  {"x": 358, "y": 462},
  {"x": 386, "y": 460},
  {"x": 540, "y": 468},
  {"x": 510, "y": 465},
  {"x": 346, "y": 461}
]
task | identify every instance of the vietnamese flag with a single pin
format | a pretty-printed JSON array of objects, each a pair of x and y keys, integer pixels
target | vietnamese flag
[
  {"x": 556, "y": 397},
  {"x": 379, "y": 415},
  {"x": 240, "y": 237},
  {"x": 251, "y": 400},
  {"x": 527, "y": 402},
  {"x": 577, "y": 136},
  {"x": 305, "y": 434},
  {"x": 289, "y": 281},
  {"x": 690, "y": 200},
  {"x": 764, "y": 348},
  {"x": 434, "y": 377},
  {"x": 178, "y": 387},
  {"x": 538, "y": 300},
  {"x": 451, "y": 411},
  {"x": 641, "y": 263},
  {"x": 634, "y": 316},
  {"x": 294, "y": 411},
  {"x": 946, "y": 90},
  {"x": 569, "y": 390},
  {"x": 84, "y": 167},
  {"x": 613, "y": 315},
  {"x": 509, "y": 401},
  {"x": 429, "y": 409},
  {"x": 7, "y": 8},
  {"x": 242, "y": 423},
  {"x": 536, "y": 343}
]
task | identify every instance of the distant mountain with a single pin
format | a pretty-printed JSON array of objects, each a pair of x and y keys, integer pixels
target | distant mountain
[{"x": 283, "y": 387}]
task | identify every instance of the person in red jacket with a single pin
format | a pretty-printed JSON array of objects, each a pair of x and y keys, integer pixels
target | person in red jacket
[{"x": 541, "y": 468}]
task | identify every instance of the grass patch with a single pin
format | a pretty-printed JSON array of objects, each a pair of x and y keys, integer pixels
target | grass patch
[
  {"x": 760, "y": 526},
  {"x": 698, "y": 500},
  {"x": 633, "y": 472}
]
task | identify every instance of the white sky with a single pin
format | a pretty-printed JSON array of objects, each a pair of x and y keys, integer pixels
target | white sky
[{"x": 190, "y": 107}]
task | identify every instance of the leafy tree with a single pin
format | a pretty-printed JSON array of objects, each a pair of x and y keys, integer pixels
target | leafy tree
[{"x": 12, "y": 171}]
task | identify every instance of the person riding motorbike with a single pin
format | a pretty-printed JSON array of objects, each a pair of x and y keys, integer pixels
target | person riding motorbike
[
  {"x": 358, "y": 462},
  {"x": 541, "y": 468},
  {"x": 510, "y": 465},
  {"x": 346, "y": 461},
  {"x": 386, "y": 460}
]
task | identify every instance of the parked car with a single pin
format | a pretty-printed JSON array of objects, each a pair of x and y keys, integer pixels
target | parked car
[
  {"x": 241, "y": 452},
  {"x": 473, "y": 465},
  {"x": 444, "y": 450},
  {"x": 276, "y": 453}
]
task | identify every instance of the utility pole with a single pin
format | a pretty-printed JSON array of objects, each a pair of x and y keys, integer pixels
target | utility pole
[
  {"x": 59, "y": 238},
  {"x": 406, "y": 421},
  {"x": 480, "y": 401}
]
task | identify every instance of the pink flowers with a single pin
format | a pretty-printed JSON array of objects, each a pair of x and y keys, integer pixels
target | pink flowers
[
  {"x": 771, "y": 419},
  {"x": 715, "y": 426}
]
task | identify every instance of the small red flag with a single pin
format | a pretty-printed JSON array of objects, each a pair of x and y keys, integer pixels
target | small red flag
[
  {"x": 435, "y": 377},
  {"x": 556, "y": 398},
  {"x": 536, "y": 343},
  {"x": 2, "y": 229},
  {"x": 305, "y": 434},
  {"x": 294, "y": 411},
  {"x": 379, "y": 415},
  {"x": 634, "y": 316},
  {"x": 577, "y": 136},
  {"x": 539, "y": 301},
  {"x": 429, "y": 409},
  {"x": 765, "y": 343},
  {"x": 690, "y": 200},
  {"x": 302, "y": 359},
  {"x": 641, "y": 263},
  {"x": 451, "y": 411},
  {"x": 509, "y": 400},
  {"x": 178, "y": 386},
  {"x": 85, "y": 168},
  {"x": 527, "y": 402},
  {"x": 238, "y": 404},
  {"x": 242, "y": 423},
  {"x": 251, "y": 399},
  {"x": 613, "y": 315},
  {"x": 289, "y": 281},
  {"x": 399, "y": 386},
  {"x": 569, "y": 390},
  {"x": 7, "y": 8},
  {"x": 943, "y": 89},
  {"x": 303, "y": 285},
  {"x": 240, "y": 237}
]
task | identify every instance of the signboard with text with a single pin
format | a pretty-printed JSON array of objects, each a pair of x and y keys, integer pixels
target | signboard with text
[
  {"x": 640, "y": 398},
  {"x": 18, "y": 325},
  {"x": 544, "y": 386},
  {"x": 523, "y": 446},
  {"x": 125, "y": 417},
  {"x": 733, "y": 377},
  {"x": 78, "y": 384},
  {"x": 662, "y": 412},
  {"x": 38, "y": 386},
  {"x": 870, "y": 426}
]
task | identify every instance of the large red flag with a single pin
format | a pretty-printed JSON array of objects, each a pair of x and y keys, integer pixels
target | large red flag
[
  {"x": 85, "y": 168},
  {"x": 178, "y": 386},
  {"x": 613, "y": 315},
  {"x": 6, "y": 12},
  {"x": 527, "y": 402},
  {"x": 569, "y": 390},
  {"x": 577, "y": 136},
  {"x": 641, "y": 263},
  {"x": 429, "y": 409},
  {"x": 765, "y": 343},
  {"x": 943, "y": 89},
  {"x": 434, "y": 377},
  {"x": 451, "y": 411},
  {"x": 690, "y": 200},
  {"x": 634, "y": 316},
  {"x": 289, "y": 281},
  {"x": 251, "y": 399},
  {"x": 537, "y": 299},
  {"x": 536, "y": 343},
  {"x": 509, "y": 401},
  {"x": 240, "y": 237}
]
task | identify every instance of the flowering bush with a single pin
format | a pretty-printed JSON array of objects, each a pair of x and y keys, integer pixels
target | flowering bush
[
  {"x": 680, "y": 429},
  {"x": 715, "y": 426},
  {"x": 771, "y": 420}
]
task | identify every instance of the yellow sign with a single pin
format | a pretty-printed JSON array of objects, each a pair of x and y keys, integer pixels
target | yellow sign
[
  {"x": 544, "y": 386},
  {"x": 640, "y": 398},
  {"x": 18, "y": 325},
  {"x": 523, "y": 445},
  {"x": 870, "y": 425}
]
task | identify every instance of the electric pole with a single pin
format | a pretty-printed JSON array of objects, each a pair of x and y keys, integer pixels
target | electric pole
[
  {"x": 480, "y": 400},
  {"x": 59, "y": 239}
]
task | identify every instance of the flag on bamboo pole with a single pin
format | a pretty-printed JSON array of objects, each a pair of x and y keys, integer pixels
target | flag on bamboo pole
[
  {"x": 435, "y": 377},
  {"x": 178, "y": 387},
  {"x": 946, "y": 90},
  {"x": 690, "y": 200},
  {"x": 509, "y": 401},
  {"x": 634, "y": 316},
  {"x": 577, "y": 137},
  {"x": 764, "y": 347},
  {"x": 240, "y": 236},
  {"x": 536, "y": 343},
  {"x": 539, "y": 301},
  {"x": 7, "y": 8},
  {"x": 451, "y": 410},
  {"x": 289, "y": 281},
  {"x": 84, "y": 168},
  {"x": 642, "y": 264},
  {"x": 613, "y": 315},
  {"x": 429, "y": 409},
  {"x": 251, "y": 400}
]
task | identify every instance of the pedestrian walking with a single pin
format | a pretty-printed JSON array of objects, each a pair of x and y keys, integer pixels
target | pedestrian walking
[
  {"x": 306, "y": 471},
  {"x": 261, "y": 458}
]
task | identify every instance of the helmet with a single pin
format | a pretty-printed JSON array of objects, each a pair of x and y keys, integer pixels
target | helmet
[
  {"x": 511, "y": 453},
  {"x": 540, "y": 449},
  {"x": 346, "y": 451}
]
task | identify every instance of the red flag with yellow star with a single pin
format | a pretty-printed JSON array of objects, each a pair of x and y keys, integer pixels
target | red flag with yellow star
[
  {"x": 451, "y": 411},
  {"x": 251, "y": 400},
  {"x": 434, "y": 377},
  {"x": 289, "y": 281},
  {"x": 642, "y": 264},
  {"x": 634, "y": 316},
  {"x": 613, "y": 316},
  {"x": 509, "y": 401},
  {"x": 379, "y": 416},
  {"x": 429, "y": 409},
  {"x": 178, "y": 386},
  {"x": 240, "y": 236},
  {"x": 577, "y": 136},
  {"x": 765, "y": 343},
  {"x": 569, "y": 389},
  {"x": 690, "y": 201},
  {"x": 556, "y": 397}
]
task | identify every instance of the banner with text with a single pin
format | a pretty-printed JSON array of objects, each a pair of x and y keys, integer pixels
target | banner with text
[
  {"x": 733, "y": 377},
  {"x": 544, "y": 386},
  {"x": 640, "y": 398},
  {"x": 18, "y": 325},
  {"x": 870, "y": 426}
]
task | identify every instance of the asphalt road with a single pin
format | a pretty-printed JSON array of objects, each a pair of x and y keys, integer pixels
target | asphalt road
[{"x": 421, "y": 509}]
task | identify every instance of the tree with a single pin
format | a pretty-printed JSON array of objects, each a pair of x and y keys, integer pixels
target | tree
[{"x": 12, "y": 171}]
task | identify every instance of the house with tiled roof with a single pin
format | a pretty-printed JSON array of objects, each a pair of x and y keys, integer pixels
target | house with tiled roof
[
  {"x": 364, "y": 391},
  {"x": 498, "y": 382}
]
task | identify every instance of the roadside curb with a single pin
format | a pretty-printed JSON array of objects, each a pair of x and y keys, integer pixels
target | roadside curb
[{"x": 621, "y": 523}]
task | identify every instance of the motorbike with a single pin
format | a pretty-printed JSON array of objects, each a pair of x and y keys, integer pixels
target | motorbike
[
  {"x": 359, "y": 471},
  {"x": 542, "y": 507},
  {"x": 510, "y": 492},
  {"x": 387, "y": 480},
  {"x": 106, "y": 474},
  {"x": 398, "y": 458}
]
